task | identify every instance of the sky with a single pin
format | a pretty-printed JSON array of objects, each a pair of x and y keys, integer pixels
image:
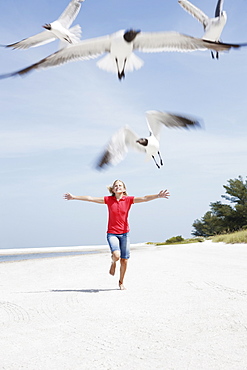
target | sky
[{"x": 55, "y": 122}]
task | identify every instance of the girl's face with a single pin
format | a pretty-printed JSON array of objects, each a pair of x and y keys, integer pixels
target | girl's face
[{"x": 118, "y": 187}]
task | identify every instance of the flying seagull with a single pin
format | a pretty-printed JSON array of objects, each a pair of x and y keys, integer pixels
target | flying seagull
[
  {"x": 58, "y": 29},
  {"x": 125, "y": 138},
  {"x": 119, "y": 49},
  {"x": 213, "y": 27}
]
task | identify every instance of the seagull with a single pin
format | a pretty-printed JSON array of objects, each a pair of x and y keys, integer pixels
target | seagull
[
  {"x": 125, "y": 138},
  {"x": 119, "y": 49},
  {"x": 213, "y": 27},
  {"x": 58, "y": 29}
]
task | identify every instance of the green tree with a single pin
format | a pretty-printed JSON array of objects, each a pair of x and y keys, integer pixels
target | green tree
[
  {"x": 224, "y": 218},
  {"x": 237, "y": 191},
  {"x": 208, "y": 225}
]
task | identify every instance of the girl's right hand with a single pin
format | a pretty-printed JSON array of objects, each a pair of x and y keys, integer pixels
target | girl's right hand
[{"x": 68, "y": 196}]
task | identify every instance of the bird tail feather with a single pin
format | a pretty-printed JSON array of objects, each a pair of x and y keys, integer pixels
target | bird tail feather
[
  {"x": 75, "y": 36},
  {"x": 133, "y": 63},
  {"x": 75, "y": 33},
  {"x": 107, "y": 63}
]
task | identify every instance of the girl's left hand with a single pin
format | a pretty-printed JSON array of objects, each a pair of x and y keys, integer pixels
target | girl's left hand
[{"x": 163, "y": 194}]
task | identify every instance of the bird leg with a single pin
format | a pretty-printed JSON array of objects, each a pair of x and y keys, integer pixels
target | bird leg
[
  {"x": 161, "y": 162},
  {"x": 155, "y": 161},
  {"x": 68, "y": 39},
  {"x": 212, "y": 53},
  {"x": 120, "y": 74}
]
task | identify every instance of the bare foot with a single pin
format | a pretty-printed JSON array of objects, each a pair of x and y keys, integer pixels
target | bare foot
[
  {"x": 112, "y": 268},
  {"x": 121, "y": 286}
]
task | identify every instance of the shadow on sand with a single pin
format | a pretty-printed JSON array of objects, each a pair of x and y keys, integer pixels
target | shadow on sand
[{"x": 83, "y": 290}]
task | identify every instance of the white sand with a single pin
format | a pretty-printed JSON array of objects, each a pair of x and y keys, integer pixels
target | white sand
[{"x": 185, "y": 308}]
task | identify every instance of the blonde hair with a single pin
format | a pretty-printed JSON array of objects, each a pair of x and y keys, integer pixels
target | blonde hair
[{"x": 110, "y": 188}]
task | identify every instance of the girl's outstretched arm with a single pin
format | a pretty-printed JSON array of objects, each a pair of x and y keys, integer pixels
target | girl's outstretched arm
[
  {"x": 86, "y": 198},
  {"x": 147, "y": 198}
]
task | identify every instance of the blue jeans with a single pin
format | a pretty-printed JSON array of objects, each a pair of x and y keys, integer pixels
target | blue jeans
[{"x": 121, "y": 243}]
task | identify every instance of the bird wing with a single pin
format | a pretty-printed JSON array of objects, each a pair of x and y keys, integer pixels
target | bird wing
[
  {"x": 155, "y": 120},
  {"x": 117, "y": 147},
  {"x": 70, "y": 13},
  {"x": 219, "y": 8},
  {"x": 86, "y": 49},
  {"x": 40, "y": 39},
  {"x": 149, "y": 42},
  {"x": 194, "y": 11},
  {"x": 130, "y": 140}
]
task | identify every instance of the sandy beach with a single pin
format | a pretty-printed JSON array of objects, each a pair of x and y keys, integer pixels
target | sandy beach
[{"x": 185, "y": 307}]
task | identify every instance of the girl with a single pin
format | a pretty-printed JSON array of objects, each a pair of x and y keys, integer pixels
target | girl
[{"x": 118, "y": 204}]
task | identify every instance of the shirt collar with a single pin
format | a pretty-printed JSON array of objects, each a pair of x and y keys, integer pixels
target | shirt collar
[{"x": 123, "y": 197}]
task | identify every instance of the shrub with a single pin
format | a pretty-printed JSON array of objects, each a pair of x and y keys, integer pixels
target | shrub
[
  {"x": 178, "y": 240},
  {"x": 175, "y": 239},
  {"x": 233, "y": 238}
]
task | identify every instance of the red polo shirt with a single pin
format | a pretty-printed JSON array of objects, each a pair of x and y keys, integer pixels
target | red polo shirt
[{"x": 118, "y": 214}]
